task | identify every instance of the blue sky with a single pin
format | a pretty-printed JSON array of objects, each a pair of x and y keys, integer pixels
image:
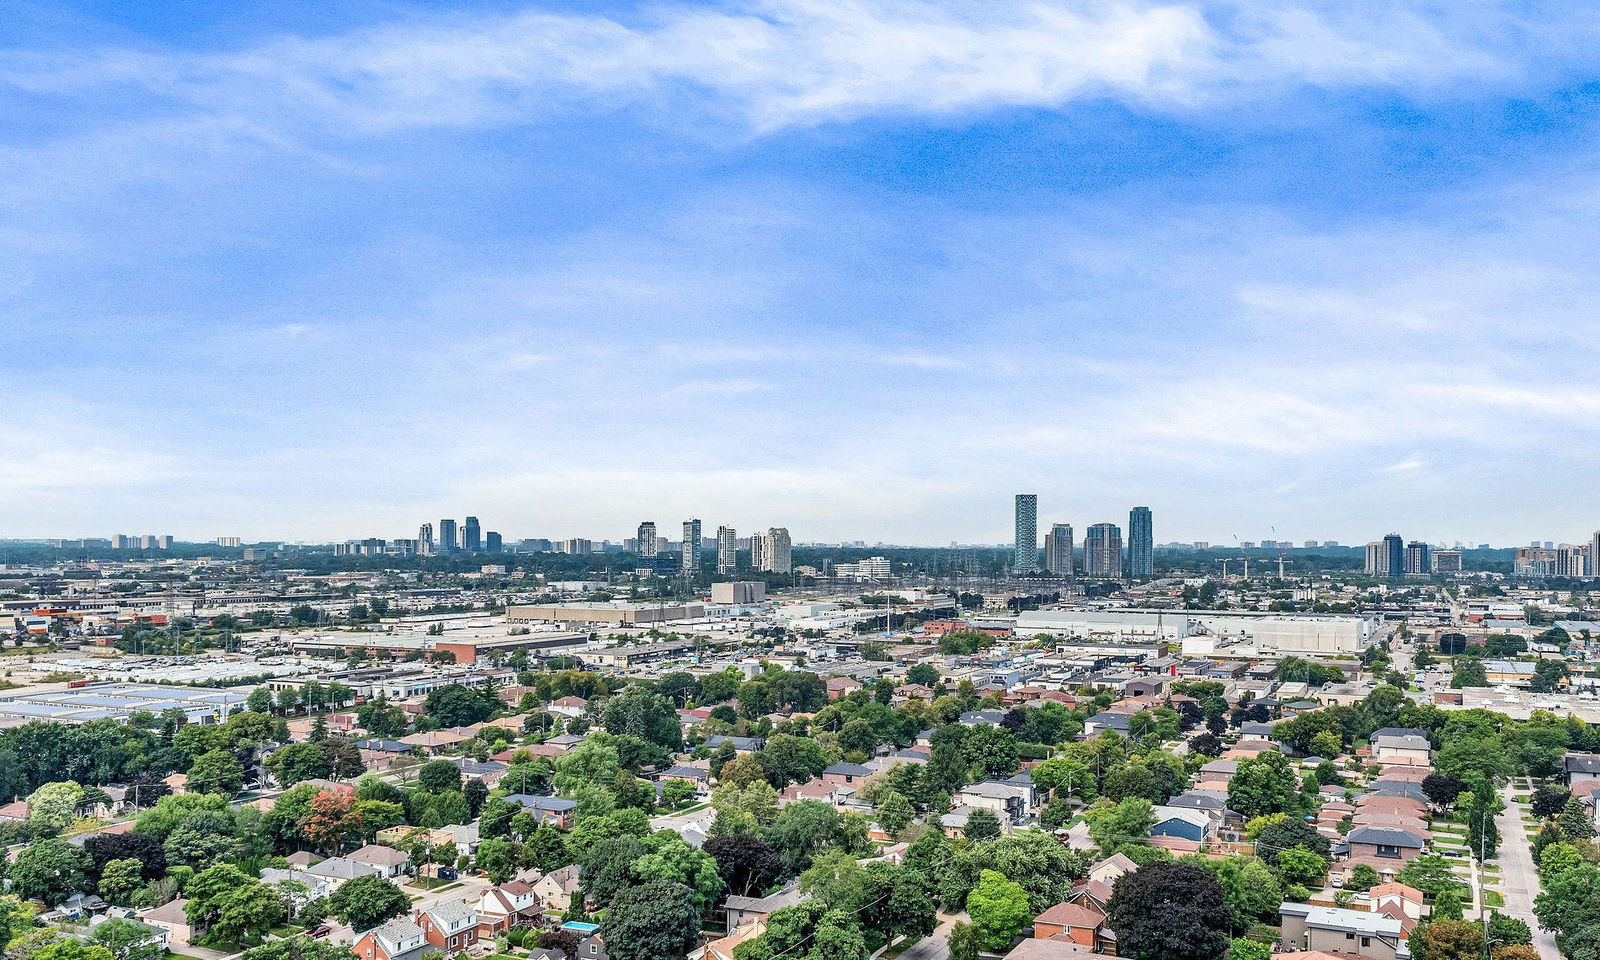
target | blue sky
[{"x": 863, "y": 268}]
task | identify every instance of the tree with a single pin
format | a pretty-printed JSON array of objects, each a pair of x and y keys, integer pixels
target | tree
[
  {"x": 368, "y": 901},
  {"x": 49, "y": 870},
  {"x": 641, "y": 713},
  {"x": 1431, "y": 874},
  {"x": 1243, "y": 949},
  {"x": 301, "y": 947},
  {"x": 143, "y": 849},
  {"x": 333, "y": 819},
  {"x": 1362, "y": 877},
  {"x": 1575, "y": 821},
  {"x": 999, "y": 910},
  {"x": 1287, "y": 833},
  {"x": 1126, "y": 824},
  {"x": 55, "y": 804},
  {"x": 923, "y": 674},
  {"x": 437, "y": 776},
  {"x": 71, "y": 949},
  {"x": 746, "y": 863},
  {"x": 895, "y": 812},
  {"x": 1548, "y": 802},
  {"x": 1447, "y": 906},
  {"x": 652, "y": 921},
  {"x": 1468, "y": 672},
  {"x": 231, "y": 906},
  {"x": 1170, "y": 911},
  {"x": 965, "y": 942},
  {"x": 1301, "y": 866},
  {"x": 455, "y": 705},
  {"x": 1442, "y": 789},
  {"x": 297, "y": 762},
  {"x": 981, "y": 825},
  {"x": 127, "y": 940},
  {"x": 1508, "y": 930},
  {"x": 1447, "y": 940},
  {"x": 498, "y": 859},
  {"x": 476, "y": 792},
  {"x": 216, "y": 771},
  {"x": 259, "y": 700},
  {"x": 1263, "y": 784},
  {"x": 119, "y": 879}
]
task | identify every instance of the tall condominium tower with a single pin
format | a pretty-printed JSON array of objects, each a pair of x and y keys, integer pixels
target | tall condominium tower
[
  {"x": 493, "y": 542},
  {"x": 449, "y": 542},
  {"x": 1141, "y": 543},
  {"x": 472, "y": 536},
  {"x": 758, "y": 551},
  {"x": 425, "y": 538},
  {"x": 775, "y": 551},
  {"x": 648, "y": 547},
  {"x": 1377, "y": 564},
  {"x": 1394, "y": 549},
  {"x": 689, "y": 563},
  {"x": 727, "y": 549},
  {"x": 1419, "y": 559},
  {"x": 1594, "y": 555},
  {"x": 1026, "y": 559},
  {"x": 1058, "y": 550},
  {"x": 1447, "y": 561},
  {"x": 1102, "y": 551}
]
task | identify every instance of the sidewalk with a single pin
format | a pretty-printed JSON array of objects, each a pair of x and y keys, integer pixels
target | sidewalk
[{"x": 1518, "y": 876}]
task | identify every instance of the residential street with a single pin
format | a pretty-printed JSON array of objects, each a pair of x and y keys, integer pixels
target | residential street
[
  {"x": 935, "y": 946},
  {"x": 1518, "y": 876}
]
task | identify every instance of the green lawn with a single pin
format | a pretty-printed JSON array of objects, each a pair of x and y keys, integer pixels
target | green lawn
[{"x": 1492, "y": 898}]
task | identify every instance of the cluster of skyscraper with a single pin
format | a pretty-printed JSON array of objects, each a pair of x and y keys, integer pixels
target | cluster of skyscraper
[
  {"x": 769, "y": 552},
  {"x": 467, "y": 538},
  {"x": 1103, "y": 555}
]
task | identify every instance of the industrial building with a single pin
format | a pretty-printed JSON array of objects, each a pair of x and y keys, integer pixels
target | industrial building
[
  {"x": 119, "y": 701},
  {"x": 617, "y": 613},
  {"x": 1204, "y": 632}
]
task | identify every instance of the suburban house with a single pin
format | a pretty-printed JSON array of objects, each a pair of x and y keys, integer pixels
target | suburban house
[
  {"x": 399, "y": 939},
  {"x": 388, "y": 861},
  {"x": 1402, "y": 745},
  {"x": 1081, "y": 924},
  {"x": 1580, "y": 768},
  {"x": 746, "y": 910},
  {"x": 846, "y": 774},
  {"x": 1336, "y": 930},
  {"x": 1385, "y": 842},
  {"x": 555, "y": 889},
  {"x": 449, "y": 925},
  {"x": 512, "y": 904},
  {"x": 1185, "y": 823},
  {"x": 170, "y": 917}
]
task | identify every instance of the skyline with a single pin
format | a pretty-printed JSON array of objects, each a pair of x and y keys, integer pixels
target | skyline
[{"x": 863, "y": 269}]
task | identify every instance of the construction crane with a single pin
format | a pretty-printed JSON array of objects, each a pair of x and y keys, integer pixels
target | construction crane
[
  {"x": 1280, "y": 551},
  {"x": 1242, "y": 555}
]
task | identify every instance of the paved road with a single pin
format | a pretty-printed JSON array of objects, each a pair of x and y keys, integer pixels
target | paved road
[
  {"x": 935, "y": 946},
  {"x": 1518, "y": 877}
]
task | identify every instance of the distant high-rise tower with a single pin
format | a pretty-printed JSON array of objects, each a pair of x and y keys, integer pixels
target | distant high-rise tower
[
  {"x": 1419, "y": 559},
  {"x": 689, "y": 563},
  {"x": 1377, "y": 563},
  {"x": 1394, "y": 549},
  {"x": 1447, "y": 561},
  {"x": 1026, "y": 558},
  {"x": 425, "y": 538},
  {"x": 727, "y": 549},
  {"x": 758, "y": 551},
  {"x": 493, "y": 543},
  {"x": 1102, "y": 551},
  {"x": 472, "y": 536},
  {"x": 1594, "y": 555},
  {"x": 449, "y": 542},
  {"x": 1058, "y": 550},
  {"x": 775, "y": 551},
  {"x": 648, "y": 547},
  {"x": 1141, "y": 543}
]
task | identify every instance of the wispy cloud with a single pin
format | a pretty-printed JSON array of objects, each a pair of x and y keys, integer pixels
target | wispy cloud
[{"x": 784, "y": 63}]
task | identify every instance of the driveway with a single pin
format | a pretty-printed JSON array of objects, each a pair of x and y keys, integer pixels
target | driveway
[
  {"x": 935, "y": 946},
  {"x": 1518, "y": 876}
]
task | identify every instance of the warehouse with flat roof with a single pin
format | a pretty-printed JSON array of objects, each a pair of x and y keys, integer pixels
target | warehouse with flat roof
[{"x": 119, "y": 701}]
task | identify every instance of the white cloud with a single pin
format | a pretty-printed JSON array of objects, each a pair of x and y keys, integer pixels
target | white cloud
[{"x": 784, "y": 63}]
